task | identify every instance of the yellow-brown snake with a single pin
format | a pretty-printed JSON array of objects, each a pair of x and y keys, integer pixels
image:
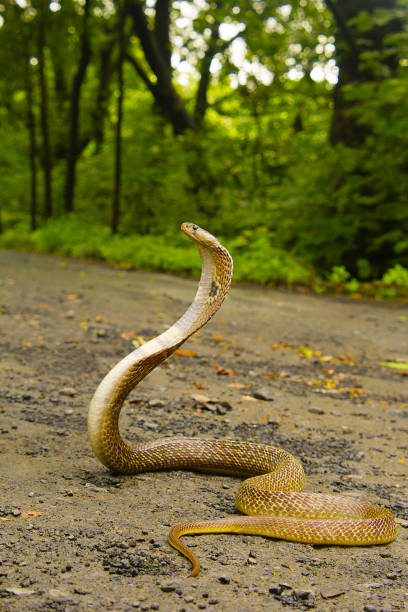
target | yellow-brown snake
[{"x": 271, "y": 494}]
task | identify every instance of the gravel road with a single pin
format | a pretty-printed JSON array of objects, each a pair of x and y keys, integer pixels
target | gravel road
[{"x": 292, "y": 369}]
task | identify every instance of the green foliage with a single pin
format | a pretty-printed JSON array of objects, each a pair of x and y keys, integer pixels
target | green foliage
[
  {"x": 255, "y": 258},
  {"x": 398, "y": 275},
  {"x": 338, "y": 274},
  {"x": 259, "y": 172}
]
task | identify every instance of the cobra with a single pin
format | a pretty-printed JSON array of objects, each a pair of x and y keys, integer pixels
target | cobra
[{"x": 272, "y": 494}]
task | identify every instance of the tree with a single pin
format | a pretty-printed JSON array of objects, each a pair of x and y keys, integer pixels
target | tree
[
  {"x": 74, "y": 112},
  {"x": 46, "y": 154},
  {"x": 119, "y": 118},
  {"x": 363, "y": 53}
]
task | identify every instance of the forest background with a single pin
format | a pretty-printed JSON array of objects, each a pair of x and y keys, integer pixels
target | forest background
[{"x": 280, "y": 127}]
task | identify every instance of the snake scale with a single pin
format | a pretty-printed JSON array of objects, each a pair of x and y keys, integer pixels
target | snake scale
[{"x": 272, "y": 492}]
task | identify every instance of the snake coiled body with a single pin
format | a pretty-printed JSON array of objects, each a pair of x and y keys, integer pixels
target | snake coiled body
[{"x": 272, "y": 492}]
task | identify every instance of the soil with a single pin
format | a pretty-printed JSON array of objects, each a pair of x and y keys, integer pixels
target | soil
[{"x": 292, "y": 369}]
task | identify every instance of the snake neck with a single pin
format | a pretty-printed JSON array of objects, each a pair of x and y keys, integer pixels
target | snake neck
[{"x": 107, "y": 402}]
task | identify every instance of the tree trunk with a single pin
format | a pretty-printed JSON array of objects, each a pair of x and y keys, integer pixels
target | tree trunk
[
  {"x": 32, "y": 147},
  {"x": 350, "y": 46},
  {"x": 102, "y": 96},
  {"x": 72, "y": 155},
  {"x": 118, "y": 135},
  {"x": 167, "y": 99},
  {"x": 46, "y": 149},
  {"x": 201, "y": 101}
]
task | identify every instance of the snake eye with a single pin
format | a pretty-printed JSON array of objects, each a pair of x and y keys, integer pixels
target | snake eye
[{"x": 195, "y": 227}]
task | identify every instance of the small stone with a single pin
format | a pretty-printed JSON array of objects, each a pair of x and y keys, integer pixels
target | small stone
[
  {"x": 70, "y": 314},
  {"x": 156, "y": 403},
  {"x": 95, "y": 489},
  {"x": 189, "y": 599},
  {"x": 392, "y": 576},
  {"x": 251, "y": 561},
  {"x": 301, "y": 594},
  {"x": 276, "y": 589},
  {"x": 70, "y": 391},
  {"x": 167, "y": 588},
  {"x": 330, "y": 592},
  {"x": 263, "y": 394},
  {"x": 212, "y": 602},
  {"x": 20, "y": 591},
  {"x": 370, "y": 609},
  {"x": 58, "y": 594},
  {"x": 224, "y": 579}
]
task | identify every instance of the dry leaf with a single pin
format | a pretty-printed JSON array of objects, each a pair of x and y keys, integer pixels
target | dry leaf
[
  {"x": 224, "y": 371},
  {"x": 239, "y": 386},
  {"x": 198, "y": 385},
  {"x": 30, "y": 513},
  {"x": 185, "y": 352},
  {"x": 304, "y": 350}
]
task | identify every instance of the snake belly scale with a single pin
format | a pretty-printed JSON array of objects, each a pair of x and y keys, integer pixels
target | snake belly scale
[{"x": 272, "y": 493}]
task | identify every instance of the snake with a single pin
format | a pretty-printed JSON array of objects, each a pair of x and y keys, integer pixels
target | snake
[{"x": 271, "y": 495}]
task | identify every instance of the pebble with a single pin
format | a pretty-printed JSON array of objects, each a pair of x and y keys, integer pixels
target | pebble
[
  {"x": 330, "y": 592},
  {"x": 263, "y": 394},
  {"x": 70, "y": 391},
  {"x": 156, "y": 403},
  {"x": 301, "y": 594},
  {"x": 224, "y": 579},
  {"x": 276, "y": 589},
  {"x": 58, "y": 594},
  {"x": 20, "y": 591},
  {"x": 167, "y": 588}
]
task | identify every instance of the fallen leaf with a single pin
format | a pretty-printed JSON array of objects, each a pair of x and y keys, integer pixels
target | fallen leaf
[
  {"x": 224, "y": 371},
  {"x": 30, "y": 513},
  {"x": 185, "y": 352},
  {"x": 401, "y": 459},
  {"x": 218, "y": 338},
  {"x": 138, "y": 341},
  {"x": 198, "y": 385},
  {"x": 5, "y": 519},
  {"x": 395, "y": 365},
  {"x": 239, "y": 386},
  {"x": 304, "y": 350}
]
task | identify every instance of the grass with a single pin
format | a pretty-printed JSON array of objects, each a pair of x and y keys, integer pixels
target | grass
[{"x": 256, "y": 259}]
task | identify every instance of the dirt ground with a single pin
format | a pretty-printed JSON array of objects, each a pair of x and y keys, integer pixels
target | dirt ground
[{"x": 292, "y": 369}]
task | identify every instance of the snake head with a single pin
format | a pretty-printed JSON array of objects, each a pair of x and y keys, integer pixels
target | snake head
[{"x": 201, "y": 236}]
